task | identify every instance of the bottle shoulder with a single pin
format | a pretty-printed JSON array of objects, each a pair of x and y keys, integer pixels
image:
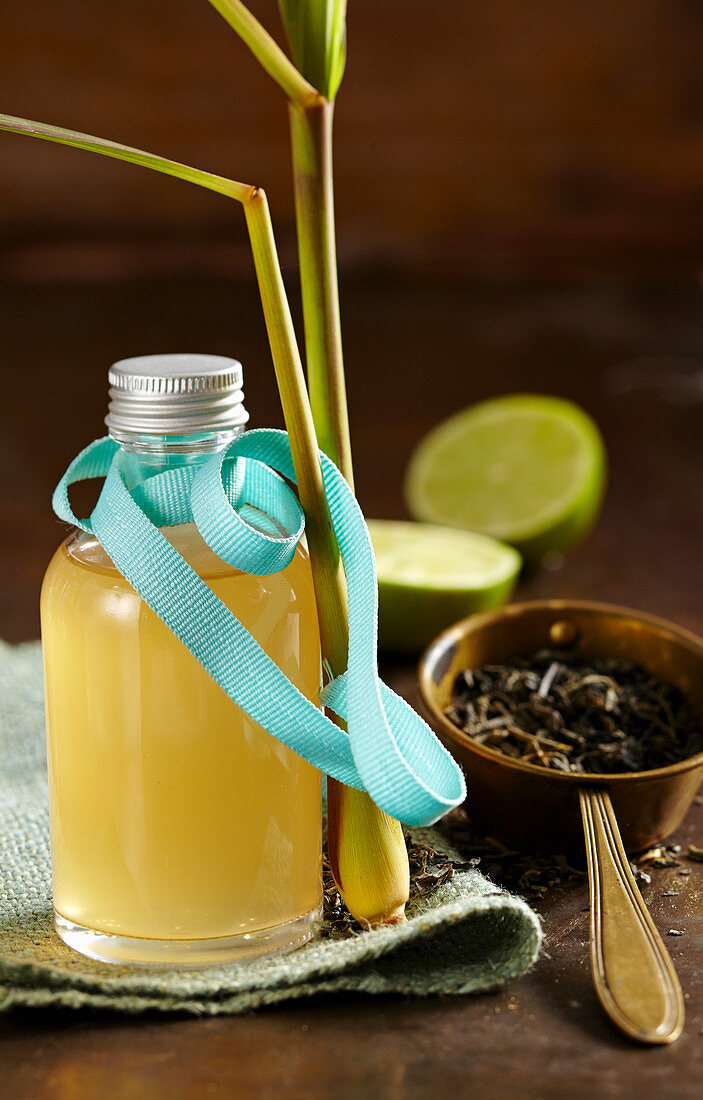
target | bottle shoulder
[
  {"x": 84, "y": 550},
  {"x": 82, "y": 557},
  {"x": 83, "y": 592}
]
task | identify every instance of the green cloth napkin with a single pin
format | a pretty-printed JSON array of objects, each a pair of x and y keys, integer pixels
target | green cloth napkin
[{"x": 466, "y": 937}]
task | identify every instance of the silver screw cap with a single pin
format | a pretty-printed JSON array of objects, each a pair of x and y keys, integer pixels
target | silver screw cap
[{"x": 175, "y": 395}]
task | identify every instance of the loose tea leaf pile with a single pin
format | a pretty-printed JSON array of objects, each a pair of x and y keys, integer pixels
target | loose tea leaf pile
[
  {"x": 530, "y": 875},
  {"x": 609, "y": 716}
]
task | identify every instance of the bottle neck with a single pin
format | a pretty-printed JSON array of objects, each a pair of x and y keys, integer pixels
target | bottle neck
[{"x": 146, "y": 455}]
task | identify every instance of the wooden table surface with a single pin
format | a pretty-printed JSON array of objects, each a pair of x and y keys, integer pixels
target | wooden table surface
[{"x": 633, "y": 356}]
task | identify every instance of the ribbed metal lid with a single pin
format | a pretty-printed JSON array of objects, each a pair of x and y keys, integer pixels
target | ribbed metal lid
[{"x": 175, "y": 394}]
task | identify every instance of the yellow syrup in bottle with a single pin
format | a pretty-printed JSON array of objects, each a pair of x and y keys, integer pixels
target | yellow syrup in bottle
[{"x": 174, "y": 816}]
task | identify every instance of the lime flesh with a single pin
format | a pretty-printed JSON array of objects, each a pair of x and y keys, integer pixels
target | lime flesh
[
  {"x": 431, "y": 576},
  {"x": 527, "y": 469}
]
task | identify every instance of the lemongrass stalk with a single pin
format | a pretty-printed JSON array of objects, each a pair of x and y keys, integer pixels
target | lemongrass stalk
[
  {"x": 356, "y": 826},
  {"x": 366, "y": 847},
  {"x": 267, "y": 51},
  {"x": 311, "y": 141},
  {"x": 114, "y": 149},
  {"x": 316, "y": 33},
  {"x": 317, "y": 36},
  {"x": 368, "y": 857},
  {"x": 328, "y": 577}
]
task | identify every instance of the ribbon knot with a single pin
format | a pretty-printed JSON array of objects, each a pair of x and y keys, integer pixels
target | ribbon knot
[{"x": 250, "y": 518}]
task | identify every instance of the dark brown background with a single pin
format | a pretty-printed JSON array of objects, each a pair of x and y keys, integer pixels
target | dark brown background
[
  {"x": 486, "y": 138},
  {"x": 519, "y": 195}
]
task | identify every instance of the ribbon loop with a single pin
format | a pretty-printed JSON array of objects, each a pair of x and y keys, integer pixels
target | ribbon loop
[
  {"x": 221, "y": 490},
  {"x": 249, "y": 517}
]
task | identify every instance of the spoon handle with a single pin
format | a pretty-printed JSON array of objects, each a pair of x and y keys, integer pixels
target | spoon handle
[{"x": 633, "y": 974}]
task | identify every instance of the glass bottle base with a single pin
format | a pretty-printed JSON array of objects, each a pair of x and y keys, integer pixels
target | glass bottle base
[{"x": 186, "y": 954}]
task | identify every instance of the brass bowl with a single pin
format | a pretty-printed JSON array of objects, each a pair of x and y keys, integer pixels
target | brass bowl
[
  {"x": 538, "y": 809},
  {"x": 534, "y": 808}
]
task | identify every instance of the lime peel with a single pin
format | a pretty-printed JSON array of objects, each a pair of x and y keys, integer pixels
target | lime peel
[
  {"x": 430, "y": 576},
  {"x": 528, "y": 469}
]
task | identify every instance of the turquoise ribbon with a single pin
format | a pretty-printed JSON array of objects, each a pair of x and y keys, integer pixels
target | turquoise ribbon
[{"x": 389, "y": 751}]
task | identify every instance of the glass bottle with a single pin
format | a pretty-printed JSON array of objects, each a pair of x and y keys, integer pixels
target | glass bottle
[{"x": 182, "y": 833}]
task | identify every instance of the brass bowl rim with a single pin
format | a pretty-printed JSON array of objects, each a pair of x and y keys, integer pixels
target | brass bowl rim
[{"x": 474, "y": 623}]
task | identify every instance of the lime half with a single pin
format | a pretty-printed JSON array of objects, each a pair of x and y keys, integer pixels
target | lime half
[
  {"x": 429, "y": 576},
  {"x": 526, "y": 469}
]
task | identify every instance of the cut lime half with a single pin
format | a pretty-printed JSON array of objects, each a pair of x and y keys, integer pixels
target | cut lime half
[
  {"x": 430, "y": 576},
  {"x": 527, "y": 469}
]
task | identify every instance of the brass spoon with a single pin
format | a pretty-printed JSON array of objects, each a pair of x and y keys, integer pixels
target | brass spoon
[{"x": 527, "y": 805}]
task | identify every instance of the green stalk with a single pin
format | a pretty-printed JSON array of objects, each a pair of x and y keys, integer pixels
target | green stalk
[
  {"x": 266, "y": 50},
  {"x": 366, "y": 847},
  {"x": 355, "y": 825},
  {"x": 127, "y": 153},
  {"x": 311, "y": 139},
  {"x": 328, "y": 577}
]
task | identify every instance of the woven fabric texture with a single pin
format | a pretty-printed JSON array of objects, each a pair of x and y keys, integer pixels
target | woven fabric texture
[{"x": 467, "y": 937}]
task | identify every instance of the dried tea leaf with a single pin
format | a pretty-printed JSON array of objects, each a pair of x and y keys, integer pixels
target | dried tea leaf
[
  {"x": 608, "y": 717},
  {"x": 658, "y": 857},
  {"x": 640, "y": 875}
]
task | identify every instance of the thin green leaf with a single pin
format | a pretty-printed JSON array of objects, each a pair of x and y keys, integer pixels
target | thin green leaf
[
  {"x": 234, "y": 190},
  {"x": 266, "y": 50},
  {"x": 316, "y": 32}
]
